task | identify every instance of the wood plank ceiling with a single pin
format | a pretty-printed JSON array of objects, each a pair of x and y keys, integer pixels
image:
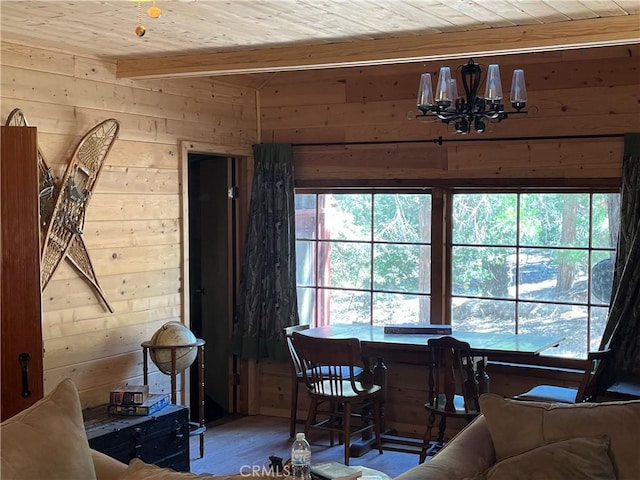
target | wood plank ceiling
[{"x": 216, "y": 37}]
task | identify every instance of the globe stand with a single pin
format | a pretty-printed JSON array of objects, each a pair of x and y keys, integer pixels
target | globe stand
[{"x": 195, "y": 428}]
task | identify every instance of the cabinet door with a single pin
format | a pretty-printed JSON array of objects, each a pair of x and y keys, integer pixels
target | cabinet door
[{"x": 20, "y": 301}]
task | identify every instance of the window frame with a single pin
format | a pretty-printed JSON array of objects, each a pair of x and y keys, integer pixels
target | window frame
[
  {"x": 442, "y": 233},
  {"x": 377, "y": 191}
]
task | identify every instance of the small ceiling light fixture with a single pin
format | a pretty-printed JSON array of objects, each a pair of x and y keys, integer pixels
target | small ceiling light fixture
[
  {"x": 153, "y": 12},
  {"x": 471, "y": 109}
]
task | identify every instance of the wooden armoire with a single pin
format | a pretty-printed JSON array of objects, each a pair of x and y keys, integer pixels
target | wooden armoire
[{"x": 20, "y": 299}]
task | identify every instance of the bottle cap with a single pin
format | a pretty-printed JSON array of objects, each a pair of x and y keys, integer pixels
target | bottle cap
[{"x": 299, "y": 435}]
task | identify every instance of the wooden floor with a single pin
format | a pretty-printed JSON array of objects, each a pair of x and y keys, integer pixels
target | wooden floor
[{"x": 251, "y": 440}]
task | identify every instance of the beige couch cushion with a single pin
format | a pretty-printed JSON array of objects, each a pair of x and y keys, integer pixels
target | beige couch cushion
[
  {"x": 47, "y": 440},
  {"x": 517, "y": 427},
  {"x": 583, "y": 458},
  {"x": 139, "y": 470}
]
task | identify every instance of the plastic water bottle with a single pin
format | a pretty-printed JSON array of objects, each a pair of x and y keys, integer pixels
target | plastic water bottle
[{"x": 300, "y": 458}]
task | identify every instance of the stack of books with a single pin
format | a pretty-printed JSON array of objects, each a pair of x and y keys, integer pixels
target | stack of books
[
  {"x": 136, "y": 400},
  {"x": 334, "y": 471},
  {"x": 418, "y": 329}
]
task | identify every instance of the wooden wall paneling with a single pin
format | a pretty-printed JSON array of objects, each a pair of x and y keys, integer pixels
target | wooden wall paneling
[
  {"x": 94, "y": 322},
  {"x": 560, "y": 75},
  {"x": 576, "y": 159},
  {"x": 136, "y": 259},
  {"x": 545, "y": 105},
  {"x": 530, "y": 62},
  {"x": 80, "y": 305},
  {"x": 88, "y": 345},
  {"x": 584, "y": 73},
  {"x": 388, "y": 162},
  {"x": 99, "y": 376},
  {"x": 20, "y": 279},
  {"x": 274, "y": 386},
  {"x": 36, "y": 59},
  {"x": 334, "y": 115},
  {"x": 138, "y": 180},
  {"x": 81, "y": 317},
  {"x": 406, "y": 396},
  {"x": 582, "y": 54},
  {"x": 132, "y": 221},
  {"x": 84, "y": 93},
  {"x": 133, "y": 206},
  {"x": 417, "y": 130},
  {"x": 304, "y": 135},
  {"x": 136, "y": 153},
  {"x": 597, "y": 94},
  {"x": 105, "y": 234},
  {"x": 589, "y": 101},
  {"x": 64, "y": 118},
  {"x": 306, "y": 93},
  {"x": 565, "y": 159}
]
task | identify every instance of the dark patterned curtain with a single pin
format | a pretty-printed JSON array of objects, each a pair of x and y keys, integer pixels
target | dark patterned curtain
[
  {"x": 622, "y": 332},
  {"x": 267, "y": 299}
]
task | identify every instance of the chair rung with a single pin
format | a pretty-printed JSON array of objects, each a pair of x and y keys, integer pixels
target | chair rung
[
  {"x": 393, "y": 447},
  {"x": 396, "y": 443},
  {"x": 397, "y": 439}
]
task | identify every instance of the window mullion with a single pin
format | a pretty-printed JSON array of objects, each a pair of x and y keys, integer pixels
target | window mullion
[
  {"x": 440, "y": 256},
  {"x": 371, "y": 246}
]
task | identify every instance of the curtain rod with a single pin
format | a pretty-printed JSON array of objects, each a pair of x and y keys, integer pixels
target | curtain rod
[{"x": 441, "y": 140}]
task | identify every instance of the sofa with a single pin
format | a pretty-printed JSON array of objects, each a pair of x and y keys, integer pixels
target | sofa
[
  {"x": 510, "y": 440},
  {"x": 48, "y": 441},
  {"x": 514, "y": 440}
]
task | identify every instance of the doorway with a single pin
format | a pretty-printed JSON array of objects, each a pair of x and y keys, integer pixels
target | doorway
[{"x": 211, "y": 277}]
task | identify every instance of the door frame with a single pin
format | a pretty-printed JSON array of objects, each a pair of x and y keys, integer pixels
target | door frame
[{"x": 240, "y": 154}]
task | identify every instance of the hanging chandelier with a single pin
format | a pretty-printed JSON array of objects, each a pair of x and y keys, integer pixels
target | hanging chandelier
[
  {"x": 153, "y": 12},
  {"x": 470, "y": 110}
]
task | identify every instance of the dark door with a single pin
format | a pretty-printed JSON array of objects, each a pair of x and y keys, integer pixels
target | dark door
[
  {"x": 211, "y": 276},
  {"x": 20, "y": 320}
]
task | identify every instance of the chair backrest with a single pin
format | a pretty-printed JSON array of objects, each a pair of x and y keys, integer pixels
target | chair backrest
[
  {"x": 589, "y": 382},
  {"x": 329, "y": 366},
  {"x": 451, "y": 373},
  {"x": 296, "y": 368}
]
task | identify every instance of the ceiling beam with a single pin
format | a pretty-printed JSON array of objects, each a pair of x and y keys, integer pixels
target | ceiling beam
[{"x": 595, "y": 32}]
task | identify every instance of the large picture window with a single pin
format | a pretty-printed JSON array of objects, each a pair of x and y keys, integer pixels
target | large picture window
[
  {"x": 512, "y": 261},
  {"x": 363, "y": 257},
  {"x": 534, "y": 263}
]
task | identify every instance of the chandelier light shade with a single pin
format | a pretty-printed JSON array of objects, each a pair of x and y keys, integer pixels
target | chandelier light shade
[{"x": 470, "y": 110}]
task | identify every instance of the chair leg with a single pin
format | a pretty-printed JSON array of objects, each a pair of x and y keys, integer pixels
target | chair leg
[
  {"x": 377, "y": 415},
  {"x": 311, "y": 417},
  {"x": 441, "y": 429},
  {"x": 293, "y": 418},
  {"x": 332, "y": 423},
  {"x": 347, "y": 431},
  {"x": 426, "y": 442}
]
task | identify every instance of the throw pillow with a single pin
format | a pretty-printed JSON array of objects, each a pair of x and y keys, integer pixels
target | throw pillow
[
  {"x": 48, "y": 440},
  {"x": 583, "y": 458},
  {"x": 139, "y": 470},
  {"x": 518, "y": 426}
]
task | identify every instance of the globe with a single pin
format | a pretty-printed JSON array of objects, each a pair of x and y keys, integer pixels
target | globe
[{"x": 173, "y": 334}]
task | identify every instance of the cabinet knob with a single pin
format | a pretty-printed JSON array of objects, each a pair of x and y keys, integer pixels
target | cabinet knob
[{"x": 178, "y": 435}]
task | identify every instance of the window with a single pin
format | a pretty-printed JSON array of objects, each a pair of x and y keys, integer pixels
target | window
[
  {"x": 534, "y": 263},
  {"x": 513, "y": 261},
  {"x": 363, "y": 257}
]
